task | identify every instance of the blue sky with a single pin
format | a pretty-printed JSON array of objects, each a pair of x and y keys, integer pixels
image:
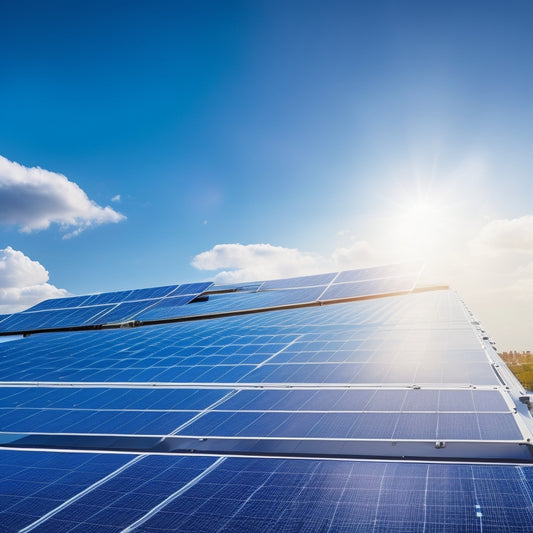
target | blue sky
[{"x": 245, "y": 139}]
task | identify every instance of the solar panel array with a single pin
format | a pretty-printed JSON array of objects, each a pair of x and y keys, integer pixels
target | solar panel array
[
  {"x": 97, "y": 309},
  {"x": 375, "y": 414}
]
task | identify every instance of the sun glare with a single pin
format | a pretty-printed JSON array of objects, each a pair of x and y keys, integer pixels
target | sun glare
[{"x": 421, "y": 227}]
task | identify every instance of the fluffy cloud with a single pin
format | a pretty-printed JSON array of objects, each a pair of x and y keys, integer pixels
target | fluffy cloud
[
  {"x": 33, "y": 198},
  {"x": 356, "y": 255},
  {"x": 23, "y": 282},
  {"x": 258, "y": 261},
  {"x": 508, "y": 234},
  {"x": 240, "y": 262}
]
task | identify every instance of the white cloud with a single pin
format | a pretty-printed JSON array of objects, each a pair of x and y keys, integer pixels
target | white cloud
[
  {"x": 240, "y": 262},
  {"x": 356, "y": 255},
  {"x": 34, "y": 198},
  {"x": 508, "y": 234},
  {"x": 23, "y": 282},
  {"x": 258, "y": 261}
]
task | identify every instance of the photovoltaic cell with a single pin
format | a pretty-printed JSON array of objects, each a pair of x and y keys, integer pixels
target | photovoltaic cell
[
  {"x": 87, "y": 421},
  {"x": 99, "y": 309},
  {"x": 59, "y": 303},
  {"x": 265, "y": 494},
  {"x": 169, "y": 307},
  {"x": 131, "y": 494},
  {"x": 57, "y": 318},
  {"x": 34, "y": 483},
  {"x": 150, "y": 293},
  {"x": 249, "y": 286},
  {"x": 369, "y": 400},
  {"x": 106, "y": 298},
  {"x": 363, "y": 425},
  {"x": 368, "y": 288},
  {"x": 225, "y": 303},
  {"x": 294, "y": 283},
  {"x": 125, "y": 311},
  {"x": 284, "y": 495},
  {"x": 411, "y": 269},
  {"x": 191, "y": 288},
  {"x": 96, "y": 398}
]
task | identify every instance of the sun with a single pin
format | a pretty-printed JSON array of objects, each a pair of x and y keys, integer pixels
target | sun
[{"x": 421, "y": 226}]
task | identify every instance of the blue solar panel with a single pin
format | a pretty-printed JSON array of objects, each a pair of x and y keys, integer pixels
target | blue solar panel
[
  {"x": 59, "y": 303},
  {"x": 106, "y": 298},
  {"x": 57, "y": 318},
  {"x": 248, "y": 286},
  {"x": 35, "y": 483},
  {"x": 294, "y": 283},
  {"x": 110, "y": 422},
  {"x": 411, "y": 269},
  {"x": 150, "y": 293},
  {"x": 131, "y": 494},
  {"x": 169, "y": 307},
  {"x": 398, "y": 378},
  {"x": 191, "y": 288},
  {"x": 199, "y": 493},
  {"x": 173, "y": 353},
  {"x": 225, "y": 303},
  {"x": 98, "y": 309},
  {"x": 354, "y": 400},
  {"x": 363, "y": 425},
  {"x": 118, "y": 398},
  {"x": 124, "y": 311},
  {"x": 284, "y": 495},
  {"x": 358, "y": 289}
]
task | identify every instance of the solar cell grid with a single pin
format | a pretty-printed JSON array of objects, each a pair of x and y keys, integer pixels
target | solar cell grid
[
  {"x": 386, "y": 271},
  {"x": 106, "y": 298},
  {"x": 356, "y": 364},
  {"x": 96, "y": 398},
  {"x": 87, "y": 421},
  {"x": 34, "y": 483},
  {"x": 144, "y": 354},
  {"x": 284, "y": 495},
  {"x": 131, "y": 494},
  {"x": 360, "y": 425},
  {"x": 232, "y": 287},
  {"x": 303, "y": 281},
  {"x": 150, "y": 293},
  {"x": 191, "y": 288},
  {"x": 169, "y": 307},
  {"x": 124, "y": 311},
  {"x": 225, "y": 303},
  {"x": 57, "y": 318},
  {"x": 143, "y": 358},
  {"x": 58, "y": 303},
  {"x": 101, "y": 308},
  {"x": 357, "y": 289}
]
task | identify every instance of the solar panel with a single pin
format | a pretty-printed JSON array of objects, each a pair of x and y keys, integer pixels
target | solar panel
[
  {"x": 232, "y": 302},
  {"x": 261, "y": 410},
  {"x": 294, "y": 283},
  {"x": 97, "y": 309},
  {"x": 58, "y": 303},
  {"x": 247, "y": 494}
]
